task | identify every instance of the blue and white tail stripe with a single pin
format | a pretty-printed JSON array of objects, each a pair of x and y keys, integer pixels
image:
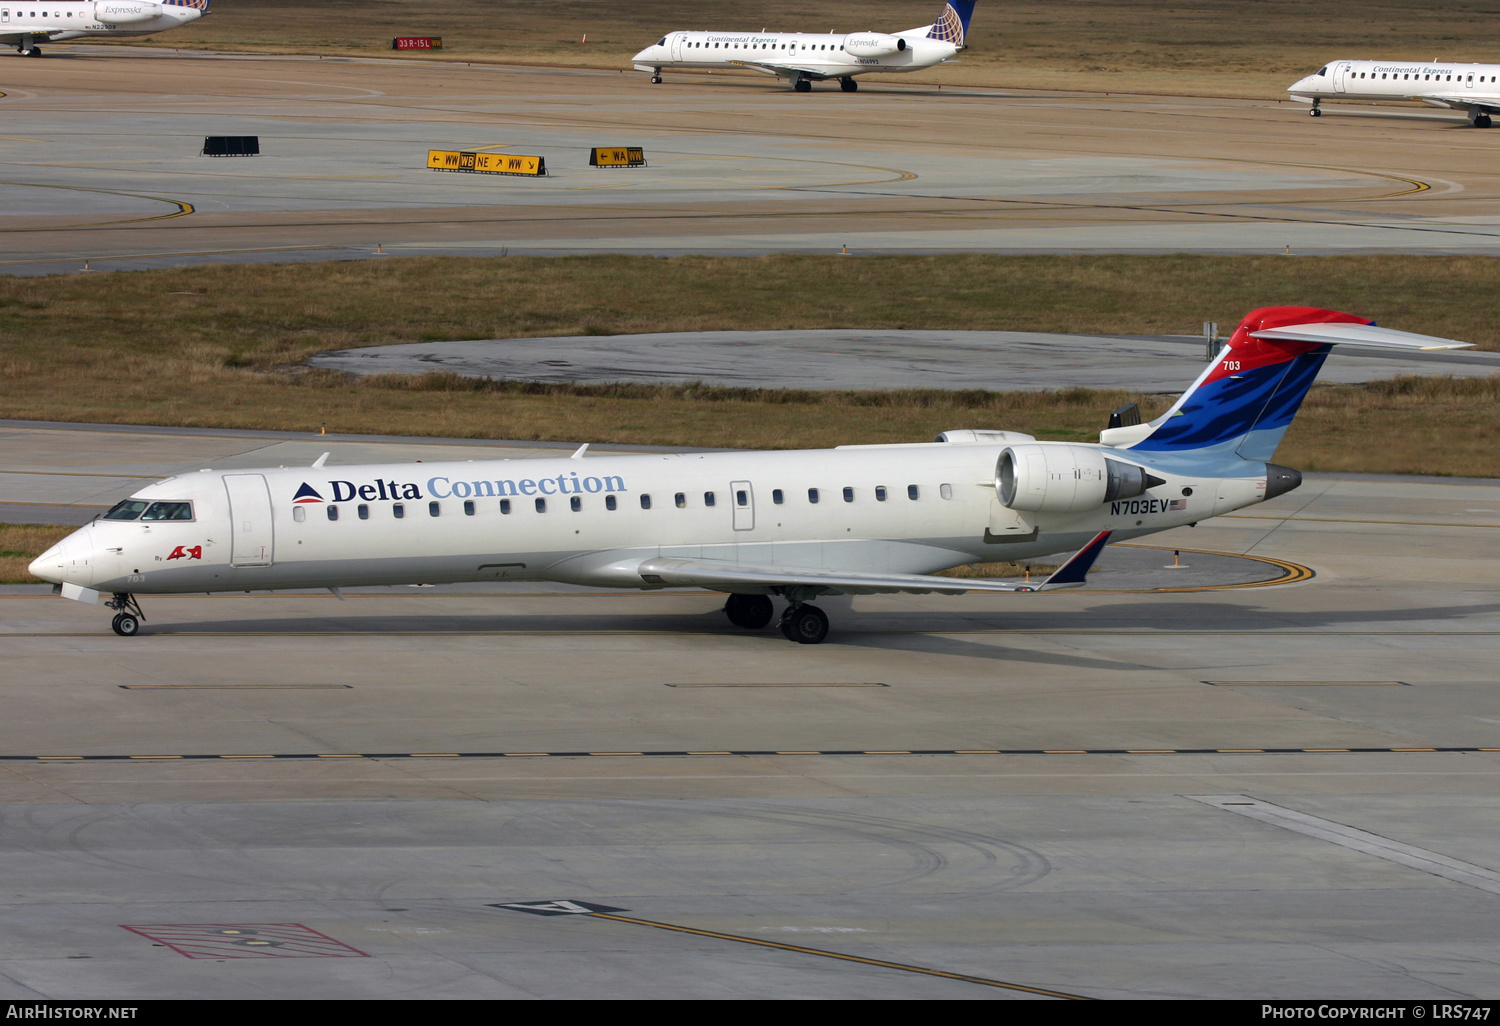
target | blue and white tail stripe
[
  {"x": 202, "y": 5},
  {"x": 952, "y": 26}
]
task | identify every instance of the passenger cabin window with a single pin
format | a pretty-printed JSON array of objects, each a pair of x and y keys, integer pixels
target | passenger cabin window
[
  {"x": 946, "y": 491},
  {"x": 129, "y": 509},
  {"x": 645, "y": 502},
  {"x": 363, "y": 511},
  {"x": 434, "y": 509},
  {"x": 880, "y": 493},
  {"x": 505, "y": 507},
  {"x": 777, "y": 497},
  {"x": 848, "y": 494},
  {"x": 468, "y": 507},
  {"x": 609, "y": 502},
  {"x": 333, "y": 512},
  {"x": 812, "y": 495},
  {"x": 708, "y": 498},
  {"x": 299, "y": 513},
  {"x": 742, "y": 498},
  {"x": 575, "y": 503},
  {"x": 911, "y": 492},
  {"x": 398, "y": 510},
  {"x": 681, "y": 500},
  {"x": 541, "y": 505},
  {"x": 168, "y": 511}
]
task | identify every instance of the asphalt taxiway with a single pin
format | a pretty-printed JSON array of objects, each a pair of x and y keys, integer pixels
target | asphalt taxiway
[
  {"x": 103, "y": 165},
  {"x": 1184, "y": 789}
]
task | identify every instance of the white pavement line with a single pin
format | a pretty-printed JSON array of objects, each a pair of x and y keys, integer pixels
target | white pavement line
[{"x": 1359, "y": 840}]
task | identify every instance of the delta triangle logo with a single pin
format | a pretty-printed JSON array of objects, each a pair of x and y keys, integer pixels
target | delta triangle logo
[{"x": 307, "y": 493}]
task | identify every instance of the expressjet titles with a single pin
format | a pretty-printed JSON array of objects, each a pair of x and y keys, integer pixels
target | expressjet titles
[{"x": 445, "y": 488}]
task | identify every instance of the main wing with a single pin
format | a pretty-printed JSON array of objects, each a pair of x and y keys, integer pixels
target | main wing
[
  {"x": 718, "y": 575},
  {"x": 1461, "y": 102},
  {"x": 788, "y": 70}
]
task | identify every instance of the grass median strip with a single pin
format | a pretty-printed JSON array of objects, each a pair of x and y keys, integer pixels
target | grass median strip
[{"x": 121, "y": 347}]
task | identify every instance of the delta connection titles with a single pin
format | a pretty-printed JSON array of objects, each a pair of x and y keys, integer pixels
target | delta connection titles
[{"x": 447, "y": 488}]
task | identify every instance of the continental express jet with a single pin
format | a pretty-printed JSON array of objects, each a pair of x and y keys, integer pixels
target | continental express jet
[
  {"x": 759, "y": 527},
  {"x": 803, "y": 58},
  {"x": 24, "y": 25},
  {"x": 1472, "y": 88}
]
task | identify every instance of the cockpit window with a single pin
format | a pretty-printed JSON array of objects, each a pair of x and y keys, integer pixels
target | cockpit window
[
  {"x": 168, "y": 511},
  {"x": 127, "y": 510},
  {"x": 1323, "y": 70},
  {"x": 662, "y": 41}
]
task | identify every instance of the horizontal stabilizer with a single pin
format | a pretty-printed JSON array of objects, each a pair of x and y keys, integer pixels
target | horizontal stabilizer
[{"x": 1367, "y": 335}]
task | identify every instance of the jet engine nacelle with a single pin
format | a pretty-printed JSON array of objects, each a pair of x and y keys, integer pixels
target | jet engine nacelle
[
  {"x": 1060, "y": 478},
  {"x": 873, "y": 44},
  {"x": 122, "y": 12}
]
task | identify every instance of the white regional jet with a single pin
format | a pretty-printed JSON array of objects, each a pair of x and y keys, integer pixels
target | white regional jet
[
  {"x": 1474, "y": 88},
  {"x": 25, "y": 24},
  {"x": 857, "y": 519},
  {"x": 803, "y": 58}
]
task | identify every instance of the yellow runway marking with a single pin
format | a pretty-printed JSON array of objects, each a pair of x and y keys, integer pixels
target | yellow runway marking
[{"x": 183, "y": 207}]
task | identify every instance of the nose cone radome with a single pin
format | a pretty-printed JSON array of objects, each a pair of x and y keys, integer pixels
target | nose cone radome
[
  {"x": 49, "y": 565},
  {"x": 1304, "y": 85},
  {"x": 647, "y": 54}
]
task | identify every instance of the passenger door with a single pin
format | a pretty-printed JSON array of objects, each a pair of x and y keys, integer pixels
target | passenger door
[
  {"x": 743, "y": 498},
  {"x": 1339, "y": 74},
  {"x": 251, "y": 532},
  {"x": 677, "y": 46}
]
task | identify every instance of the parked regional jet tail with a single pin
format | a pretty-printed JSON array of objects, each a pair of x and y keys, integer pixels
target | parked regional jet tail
[{"x": 1244, "y": 402}]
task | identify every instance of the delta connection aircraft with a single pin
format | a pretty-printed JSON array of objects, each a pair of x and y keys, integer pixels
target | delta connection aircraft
[
  {"x": 23, "y": 25},
  {"x": 1474, "y": 88},
  {"x": 803, "y": 59},
  {"x": 857, "y": 519}
]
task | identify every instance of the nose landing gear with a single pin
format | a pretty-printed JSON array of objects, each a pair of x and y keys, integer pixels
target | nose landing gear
[
  {"x": 1317, "y": 111},
  {"x": 127, "y": 622}
]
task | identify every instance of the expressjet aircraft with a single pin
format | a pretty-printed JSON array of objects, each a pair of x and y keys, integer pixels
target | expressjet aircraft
[
  {"x": 25, "y": 24},
  {"x": 1474, "y": 88},
  {"x": 857, "y": 519},
  {"x": 804, "y": 59}
]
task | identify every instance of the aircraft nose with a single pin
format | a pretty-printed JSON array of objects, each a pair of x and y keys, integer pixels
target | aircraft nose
[{"x": 49, "y": 566}]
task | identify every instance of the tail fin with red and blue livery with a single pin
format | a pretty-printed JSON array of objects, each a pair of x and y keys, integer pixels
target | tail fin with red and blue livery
[{"x": 1246, "y": 399}]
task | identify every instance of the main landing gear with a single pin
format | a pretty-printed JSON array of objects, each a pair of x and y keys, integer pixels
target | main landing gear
[
  {"x": 802, "y": 85},
  {"x": 803, "y": 623},
  {"x": 127, "y": 622},
  {"x": 848, "y": 85},
  {"x": 1481, "y": 120},
  {"x": 1317, "y": 111}
]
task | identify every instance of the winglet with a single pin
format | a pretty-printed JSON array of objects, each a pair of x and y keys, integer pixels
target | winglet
[
  {"x": 322, "y": 459},
  {"x": 581, "y": 450},
  {"x": 1074, "y": 572}
]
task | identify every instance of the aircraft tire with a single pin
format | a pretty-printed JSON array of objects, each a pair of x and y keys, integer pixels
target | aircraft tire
[
  {"x": 1315, "y": 112},
  {"x": 1482, "y": 121},
  {"x": 803, "y": 86},
  {"x": 35, "y": 51},
  {"x": 808, "y": 625},
  {"x": 656, "y": 80},
  {"x": 749, "y": 611},
  {"x": 126, "y": 625},
  {"x": 848, "y": 85}
]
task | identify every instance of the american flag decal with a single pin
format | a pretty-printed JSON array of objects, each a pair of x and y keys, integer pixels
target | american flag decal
[
  {"x": 949, "y": 27},
  {"x": 1177, "y": 504}
]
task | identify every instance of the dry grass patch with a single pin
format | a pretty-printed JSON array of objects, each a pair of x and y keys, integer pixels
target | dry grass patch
[
  {"x": 21, "y": 543},
  {"x": 1225, "y": 48},
  {"x": 121, "y": 347}
]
